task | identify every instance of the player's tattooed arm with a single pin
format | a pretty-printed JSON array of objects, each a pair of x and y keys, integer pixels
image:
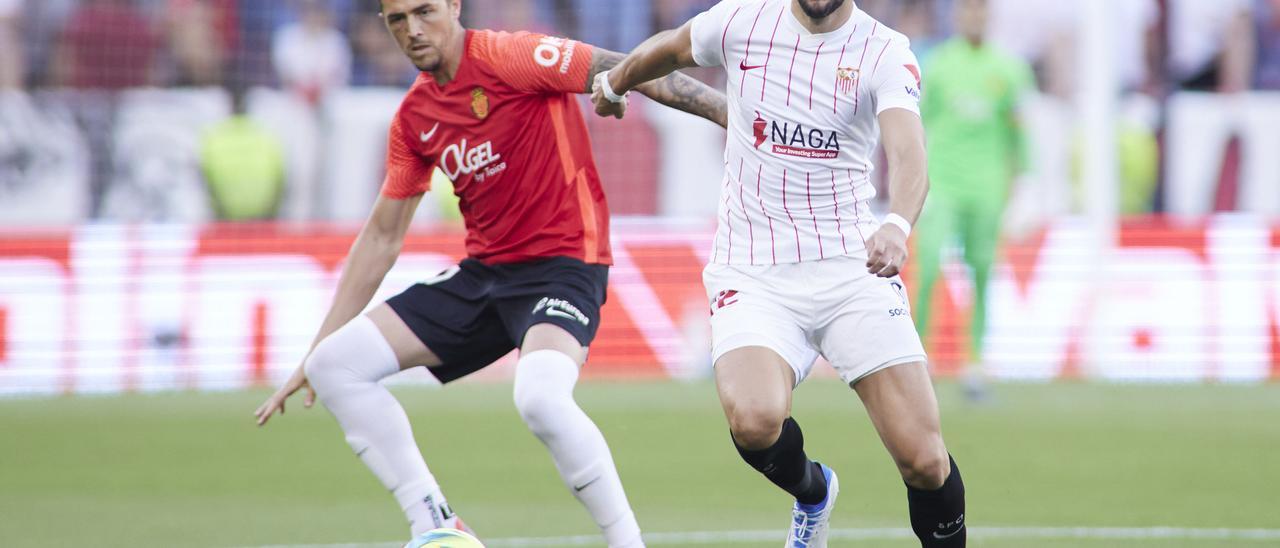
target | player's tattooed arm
[{"x": 676, "y": 90}]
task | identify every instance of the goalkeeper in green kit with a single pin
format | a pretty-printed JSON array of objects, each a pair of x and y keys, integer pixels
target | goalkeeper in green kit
[{"x": 970, "y": 110}]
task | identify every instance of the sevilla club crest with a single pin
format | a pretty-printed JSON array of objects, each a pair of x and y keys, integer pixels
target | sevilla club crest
[
  {"x": 479, "y": 103},
  {"x": 846, "y": 79}
]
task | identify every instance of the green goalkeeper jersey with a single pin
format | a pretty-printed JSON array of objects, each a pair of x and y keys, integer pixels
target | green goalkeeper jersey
[{"x": 971, "y": 98}]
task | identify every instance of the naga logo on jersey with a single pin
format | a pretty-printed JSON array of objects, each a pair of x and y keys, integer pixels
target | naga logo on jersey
[
  {"x": 847, "y": 79},
  {"x": 479, "y": 103},
  {"x": 795, "y": 139},
  {"x": 458, "y": 160}
]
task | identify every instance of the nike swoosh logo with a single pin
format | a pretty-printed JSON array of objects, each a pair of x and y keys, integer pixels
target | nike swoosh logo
[
  {"x": 585, "y": 485},
  {"x": 745, "y": 67},
  {"x": 554, "y": 312},
  {"x": 427, "y": 135},
  {"x": 948, "y": 535}
]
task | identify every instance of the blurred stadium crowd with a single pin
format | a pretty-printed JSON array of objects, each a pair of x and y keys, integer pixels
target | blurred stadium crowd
[
  {"x": 126, "y": 109},
  {"x": 314, "y": 45}
]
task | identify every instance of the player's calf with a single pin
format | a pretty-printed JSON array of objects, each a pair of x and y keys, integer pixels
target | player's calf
[
  {"x": 544, "y": 398},
  {"x": 785, "y": 463},
  {"x": 904, "y": 410},
  {"x": 935, "y": 493},
  {"x": 814, "y": 486},
  {"x": 345, "y": 369},
  {"x": 754, "y": 384},
  {"x": 937, "y": 515}
]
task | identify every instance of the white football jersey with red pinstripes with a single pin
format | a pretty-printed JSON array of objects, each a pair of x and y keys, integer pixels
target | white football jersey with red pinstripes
[{"x": 802, "y": 128}]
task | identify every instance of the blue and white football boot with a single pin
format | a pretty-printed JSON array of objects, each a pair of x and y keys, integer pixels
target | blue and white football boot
[{"x": 809, "y": 523}]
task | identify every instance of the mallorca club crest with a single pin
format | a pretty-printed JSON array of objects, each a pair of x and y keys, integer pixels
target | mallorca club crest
[
  {"x": 846, "y": 79},
  {"x": 479, "y": 103}
]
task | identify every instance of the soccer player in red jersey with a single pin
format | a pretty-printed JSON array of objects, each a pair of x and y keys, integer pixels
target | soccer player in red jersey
[{"x": 496, "y": 113}]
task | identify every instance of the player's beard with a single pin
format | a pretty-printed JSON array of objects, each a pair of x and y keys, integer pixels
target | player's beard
[
  {"x": 430, "y": 65},
  {"x": 430, "y": 62},
  {"x": 819, "y": 9}
]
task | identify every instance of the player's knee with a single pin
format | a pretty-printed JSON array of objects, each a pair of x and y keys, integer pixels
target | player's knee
[
  {"x": 323, "y": 366},
  {"x": 529, "y": 403},
  {"x": 756, "y": 427},
  {"x": 544, "y": 389},
  {"x": 538, "y": 407},
  {"x": 353, "y": 355},
  {"x": 925, "y": 469}
]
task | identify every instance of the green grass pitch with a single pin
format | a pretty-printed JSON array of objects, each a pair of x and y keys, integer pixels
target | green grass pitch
[{"x": 192, "y": 470}]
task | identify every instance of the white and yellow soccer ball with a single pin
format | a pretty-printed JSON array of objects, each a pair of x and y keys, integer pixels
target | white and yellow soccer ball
[{"x": 444, "y": 538}]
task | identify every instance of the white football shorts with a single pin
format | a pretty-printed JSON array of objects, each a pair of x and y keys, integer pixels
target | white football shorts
[{"x": 832, "y": 307}]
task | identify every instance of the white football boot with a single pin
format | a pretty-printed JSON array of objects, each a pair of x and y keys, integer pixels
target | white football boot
[{"x": 810, "y": 523}]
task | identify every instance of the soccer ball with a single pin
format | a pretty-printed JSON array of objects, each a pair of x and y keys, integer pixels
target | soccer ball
[{"x": 444, "y": 538}]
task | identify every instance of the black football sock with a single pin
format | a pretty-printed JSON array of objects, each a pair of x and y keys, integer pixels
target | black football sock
[
  {"x": 937, "y": 517},
  {"x": 786, "y": 465}
]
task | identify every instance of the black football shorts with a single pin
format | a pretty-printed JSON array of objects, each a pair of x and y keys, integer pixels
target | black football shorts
[{"x": 473, "y": 314}]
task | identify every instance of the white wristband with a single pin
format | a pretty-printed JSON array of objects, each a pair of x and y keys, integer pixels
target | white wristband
[
  {"x": 607, "y": 89},
  {"x": 898, "y": 221}
]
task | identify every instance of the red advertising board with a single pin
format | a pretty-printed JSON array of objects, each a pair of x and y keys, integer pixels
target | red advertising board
[{"x": 104, "y": 309}]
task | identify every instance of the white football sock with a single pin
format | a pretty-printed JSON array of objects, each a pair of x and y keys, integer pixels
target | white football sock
[
  {"x": 544, "y": 397},
  {"x": 345, "y": 369}
]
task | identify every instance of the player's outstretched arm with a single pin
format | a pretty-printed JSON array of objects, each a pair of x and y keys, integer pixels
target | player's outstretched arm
[
  {"x": 651, "y": 70},
  {"x": 372, "y": 256},
  {"x": 902, "y": 135}
]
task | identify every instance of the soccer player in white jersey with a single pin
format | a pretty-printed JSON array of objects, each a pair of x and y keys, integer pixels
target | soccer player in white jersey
[{"x": 801, "y": 267}]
